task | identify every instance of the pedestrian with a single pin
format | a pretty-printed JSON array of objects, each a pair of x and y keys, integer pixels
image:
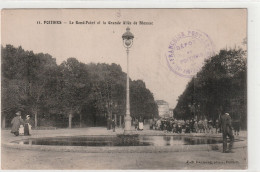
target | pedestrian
[
  {"x": 162, "y": 125},
  {"x": 16, "y": 122},
  {"x": 201, "y": 126},
  {"x": 136, "y": 124},
  {"x": 205, "y": 124},
  {"x": 196, "y": 128},
  {"x": 217, "y": 126},
  {"x": 210, "y": 126},
  {"x": 225, "y": 123},
  {"x": 187, "y": 126},
  {"x": 169, "y": 126},
  {"x": 141, "y": 125},
  {"x": 192, "y": 129},
  {"x": 236, "y": 125},
  {"x": 114, "y": 125},
  {"x": 108, "y": 123},
  {"x": 154, "y": 125},
  {"x": 165, "y": 126},
  {"x": 174, "y": 126},
  {"x": 151, "y": 125},
  {"x": 179, "y": 127},
  {"x": 158, "y": 124},
  {"x": 27, "y": 126}
]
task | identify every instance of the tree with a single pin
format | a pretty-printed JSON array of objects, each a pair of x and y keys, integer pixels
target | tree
[
  {"x": 27, "y": 74},
  {"x": 142, "y": 102},
  {"x": 35, "y": 84},
  {"x": 73, "y": 87},
  {"x": 219, "y": 87},
  {"x": 41, "y": 68}
]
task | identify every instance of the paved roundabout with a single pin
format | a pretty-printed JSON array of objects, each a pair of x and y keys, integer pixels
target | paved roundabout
[{"x": 11, "y": 141}]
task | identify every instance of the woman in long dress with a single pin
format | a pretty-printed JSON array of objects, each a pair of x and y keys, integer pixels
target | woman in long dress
[
  {"x": 141, "y": 124},
  {"x": 27, "y": 126}
]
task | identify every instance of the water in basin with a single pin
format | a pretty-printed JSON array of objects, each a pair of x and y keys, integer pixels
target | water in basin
[{"x": 120, "y": 141}]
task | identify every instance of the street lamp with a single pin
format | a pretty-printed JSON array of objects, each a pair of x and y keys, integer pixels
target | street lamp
[{"x": 127, "y": 42}]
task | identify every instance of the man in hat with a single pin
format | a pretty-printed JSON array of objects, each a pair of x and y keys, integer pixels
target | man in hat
[
  {"x": 16, "y": 122},
  {"x": 225, "y": 123}
]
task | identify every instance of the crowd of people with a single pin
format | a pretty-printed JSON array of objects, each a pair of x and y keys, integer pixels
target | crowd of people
[{"x": 189, "y": 126}]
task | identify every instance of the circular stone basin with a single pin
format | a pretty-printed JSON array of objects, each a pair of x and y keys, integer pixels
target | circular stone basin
[{"x": 97, "y": 141}]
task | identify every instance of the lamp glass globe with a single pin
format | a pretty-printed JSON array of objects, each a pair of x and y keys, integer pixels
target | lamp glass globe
[{"x": 128, "y": 42}]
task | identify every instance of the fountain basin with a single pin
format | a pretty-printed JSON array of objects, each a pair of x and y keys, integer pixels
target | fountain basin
[{"x": 120, "y": 141}]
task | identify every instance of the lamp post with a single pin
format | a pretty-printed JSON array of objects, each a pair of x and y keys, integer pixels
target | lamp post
[{"x": 127, "y": 42}]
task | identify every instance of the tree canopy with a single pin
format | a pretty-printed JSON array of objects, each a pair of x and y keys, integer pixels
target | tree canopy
[
  {"x": 36, "y": 85},
  {"x": 220, "y": 86}
]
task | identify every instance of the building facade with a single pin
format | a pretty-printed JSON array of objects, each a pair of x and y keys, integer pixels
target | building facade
[
  {"x": 171, "y": 112},
  {"x": 163, "y": 109}
]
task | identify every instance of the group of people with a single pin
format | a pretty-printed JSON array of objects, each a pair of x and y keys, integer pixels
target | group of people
[
  {"x": 222, "y": 125},
  {"x": 186, "y": 126},
  {"x": 20, "y": 126}
]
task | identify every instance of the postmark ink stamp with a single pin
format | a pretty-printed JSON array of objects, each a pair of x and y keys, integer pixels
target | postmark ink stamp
[{"x": 187, "y": 52}]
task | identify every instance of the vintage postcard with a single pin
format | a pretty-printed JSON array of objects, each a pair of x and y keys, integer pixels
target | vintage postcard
[{"x": 87, "y": 89}]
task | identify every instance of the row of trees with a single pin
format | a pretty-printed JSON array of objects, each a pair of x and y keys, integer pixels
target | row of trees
[
  {"x": 221, "y": 86},
  {"x": 55, "y": 94}
]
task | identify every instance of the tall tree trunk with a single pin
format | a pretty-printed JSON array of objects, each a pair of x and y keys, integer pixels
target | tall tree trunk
[
  {"x": 80, "y": 120},
  {"x": 35, "y": 118},
  {"x": 120, "y": 121},
  {"x": 3, "y": 121},
  {"x": 70, "y": 119},
  {"x": 115, "y": 120}
]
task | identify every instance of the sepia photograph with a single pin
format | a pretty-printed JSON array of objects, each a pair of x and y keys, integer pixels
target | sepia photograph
[{"x": 124, "y": 89}]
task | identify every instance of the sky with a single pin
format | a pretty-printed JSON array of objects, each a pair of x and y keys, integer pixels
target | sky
[{"x": 102, "y": 43}]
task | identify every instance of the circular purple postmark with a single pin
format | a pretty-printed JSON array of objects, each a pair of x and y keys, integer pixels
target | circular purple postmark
[{"x": 187, "y": 52}]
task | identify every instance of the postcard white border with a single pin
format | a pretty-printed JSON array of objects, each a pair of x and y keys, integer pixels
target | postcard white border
[{"x": 253, "y": 48}]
